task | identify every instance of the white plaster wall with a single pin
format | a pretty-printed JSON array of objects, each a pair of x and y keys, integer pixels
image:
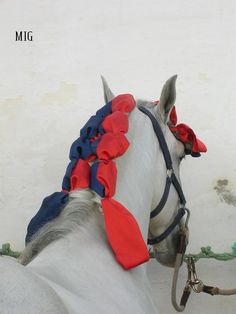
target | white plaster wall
[{"x": 49, "y": 88}]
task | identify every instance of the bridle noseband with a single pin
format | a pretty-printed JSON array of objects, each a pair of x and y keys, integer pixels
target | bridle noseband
[{"x": 170, "y": 179}]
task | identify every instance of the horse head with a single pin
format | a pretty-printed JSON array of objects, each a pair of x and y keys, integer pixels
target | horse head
[
  {"x": 164, "y": 152},
  {"x": 139, "y": 194}
]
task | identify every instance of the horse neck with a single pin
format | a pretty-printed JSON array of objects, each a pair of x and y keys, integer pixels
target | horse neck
[
  {"x": 136, "y": 170},
  {"x": 134, "y": 189}
]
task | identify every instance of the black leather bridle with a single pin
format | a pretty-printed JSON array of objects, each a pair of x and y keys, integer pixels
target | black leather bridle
[{"x": 170, "y": 179}]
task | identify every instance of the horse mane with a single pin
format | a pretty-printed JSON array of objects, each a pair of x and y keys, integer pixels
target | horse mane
[{"x": 81, "y": 205}]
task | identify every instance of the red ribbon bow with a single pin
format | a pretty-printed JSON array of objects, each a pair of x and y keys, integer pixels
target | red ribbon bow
[{"x": 186, "y": 135}]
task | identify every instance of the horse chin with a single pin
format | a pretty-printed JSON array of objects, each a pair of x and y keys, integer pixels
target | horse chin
[
  {"x": 166, "y": 251},
  {"x": 166, "y": 259}
]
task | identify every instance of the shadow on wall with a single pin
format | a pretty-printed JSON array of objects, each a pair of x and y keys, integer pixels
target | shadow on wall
[{"x": 225, "y": 192}]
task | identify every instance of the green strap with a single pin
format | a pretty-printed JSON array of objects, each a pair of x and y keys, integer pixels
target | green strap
[
  {"x": 206, "y": 252},
  {"x": 6, "y": 250}
]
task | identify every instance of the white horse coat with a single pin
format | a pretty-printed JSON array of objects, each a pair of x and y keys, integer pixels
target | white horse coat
[{"x": 78, "y": 273}]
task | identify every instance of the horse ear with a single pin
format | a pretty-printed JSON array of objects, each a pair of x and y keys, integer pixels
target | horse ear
[
  {"x": 108, "y": 95},
  {"x": 167, "y": 99}
]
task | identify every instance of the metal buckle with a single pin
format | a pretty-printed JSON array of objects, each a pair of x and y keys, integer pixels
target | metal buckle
[
  {"x": 193, "y": 282},
  {"x": 187, "y": 218}
]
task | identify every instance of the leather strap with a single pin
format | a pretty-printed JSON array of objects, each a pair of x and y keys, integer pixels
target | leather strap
[
  {"x": 169, "y": 229},
  {"x": 171, "y": 177}
]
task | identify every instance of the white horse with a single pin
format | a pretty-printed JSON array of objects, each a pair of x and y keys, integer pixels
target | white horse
[{"x": 69, "y": 266}]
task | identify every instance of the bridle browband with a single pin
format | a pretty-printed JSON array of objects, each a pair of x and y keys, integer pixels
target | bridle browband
[{"x": 170, "y": 179}]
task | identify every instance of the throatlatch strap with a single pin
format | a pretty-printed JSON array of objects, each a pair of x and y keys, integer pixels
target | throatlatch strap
[
  {"x": 165, "y": 195},
  {"x": 163, "y": 200},
  {"x": 178, "y": 189},
  {"x": 169, "y": 229}
]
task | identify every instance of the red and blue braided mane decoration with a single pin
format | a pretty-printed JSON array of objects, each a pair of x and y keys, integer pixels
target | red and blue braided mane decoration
[{"x": 92, "y": 165}]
